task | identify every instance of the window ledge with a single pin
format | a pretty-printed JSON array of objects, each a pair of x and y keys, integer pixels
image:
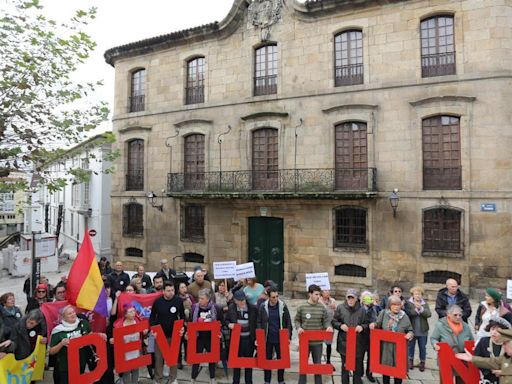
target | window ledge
[
  {"x": 458, "y": 254},
  {"x": 351, "y": 249},
  {"x": 133, "y": 235},
  {"x": 192, "y": 240}
]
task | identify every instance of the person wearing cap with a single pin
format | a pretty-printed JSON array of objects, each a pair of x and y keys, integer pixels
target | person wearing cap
[
  {"x": 452, "y": 330},
  {"x": 274, "y": 315},
  {"x": 41, "y": 296},
  {"x": 501, "y": 365},
  {"x": 119, "y": 279},
  {"x": 449, "y": 295},
  {"x": 198, "y": 284},
  {"x": 145, "y": 279},
  {"x": 312, "y": 316},
  {"x": 245, "y": 314},
  {"x": 351, "y": 314},
  {"x": 487, "y": 309},
  {"x": 418, "y": 311},
  {"x": 393, "y": 319},
  {"x": 491, "y": 346}
]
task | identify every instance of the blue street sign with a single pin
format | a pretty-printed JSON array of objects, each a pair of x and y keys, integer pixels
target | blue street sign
[{"x": 488, "y": 207}]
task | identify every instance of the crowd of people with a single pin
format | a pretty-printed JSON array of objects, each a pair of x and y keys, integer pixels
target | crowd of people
[{"x": 253, "y": 306}]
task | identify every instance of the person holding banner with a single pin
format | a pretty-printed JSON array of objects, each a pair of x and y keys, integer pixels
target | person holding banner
[
  {"x": 394, "y": 319},
  {"x": 351, "y": 314},
  {"x": 24, "y": 335},
  {"x": 312, "y": 316}
]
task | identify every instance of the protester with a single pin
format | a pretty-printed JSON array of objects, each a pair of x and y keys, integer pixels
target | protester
[
  {"x": 145, "y": 279},
  {"x": 44, "y": 280},
  {"x": 501, "y": 364},
  {"x": 40, "y": 297},
  {"x": 453, "y": 330},
  {"x": 330, "y": 306},
  {"x": 376, "y": 302},
  {"x": 312, "y": 316},
  {"x": 198, "y": 284},
  {"x": 223, "y": 296},
  {"x": 491, "y": 346},
  {"x": 6, "y": 345},
  {"x": 60, "y": 293},
  {"x": 274, "y": 315},
  {"x": 104, "y": 266},
  {"x": 394, "y": 319},
  {"x": 69, "y": 328},
  {"x": 202, "y": 269},
  {"x": 165, "y": 271},
  {"x": 158, "y": 284},
  {"x": 253, "y": 290},
  {"x": 418, "y": 311},
  {"x": 24, "y": 335},
  {"x": 204, "y": 311},
  {"x": 165, "y": 311},
  {"x": 130, "y": 318},
  {"x": 136, "y": 282},
  {"x": 245, "y": 314},
  {"x": 367, "y": 301},
  {"x": 395, "y": 290},
  {"x": 487, "y": 309},
  {"x": 10, "y": 314},
  {"x": 119, "y": 279},
  {"x": 351, "y": 314},
  {"x": 449, "y": 295},
  {"x": 187, "y": 299}
]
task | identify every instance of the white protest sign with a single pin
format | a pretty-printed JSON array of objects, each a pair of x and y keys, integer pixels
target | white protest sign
[
  {"x": 224, "y": 269},
  {"x": 509, "y": 289},
  {"x": 245, "y": 271},
  {"x": 321, "y": 279}
]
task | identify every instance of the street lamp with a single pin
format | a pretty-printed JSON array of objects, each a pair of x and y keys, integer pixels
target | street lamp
[
  {"x": 393, "y": 200},
  {"x": 151, "y": 196}
]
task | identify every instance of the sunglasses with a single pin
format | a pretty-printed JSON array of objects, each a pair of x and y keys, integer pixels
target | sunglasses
[{"x": 42, "y": 291}]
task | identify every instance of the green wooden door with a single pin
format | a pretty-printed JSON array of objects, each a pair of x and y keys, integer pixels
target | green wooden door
[{"x": 266, "y": 248}]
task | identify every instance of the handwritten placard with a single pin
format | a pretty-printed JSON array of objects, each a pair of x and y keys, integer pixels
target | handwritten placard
[
  {"x": 224, "y": 269},
  {"x": 509, "y": 289},
  {"x": 245, "y": 271},
  {"x": 321, "y": 279}
]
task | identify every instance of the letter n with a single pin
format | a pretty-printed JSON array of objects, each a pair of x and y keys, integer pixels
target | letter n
[{"x": 448, "y": 363}]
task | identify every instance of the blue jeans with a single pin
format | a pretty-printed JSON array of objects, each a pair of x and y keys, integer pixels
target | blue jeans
[{"x": 422, "y": 345}]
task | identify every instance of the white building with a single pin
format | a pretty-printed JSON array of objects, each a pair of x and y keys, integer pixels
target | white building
[
  {"x": 77, "y": 205},
  {"x": 11, "y": 214}
]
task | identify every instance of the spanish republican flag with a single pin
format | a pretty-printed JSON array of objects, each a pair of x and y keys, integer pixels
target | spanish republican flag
[{"x": 85, "y": 287}]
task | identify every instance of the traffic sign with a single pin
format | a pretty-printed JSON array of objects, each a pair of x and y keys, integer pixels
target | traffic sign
[{"x": 92, "y": 232}]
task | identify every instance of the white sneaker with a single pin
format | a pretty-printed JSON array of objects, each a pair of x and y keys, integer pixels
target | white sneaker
[
  {"x": 175, "y": 381},
  {"x": 213, "y": 381}
]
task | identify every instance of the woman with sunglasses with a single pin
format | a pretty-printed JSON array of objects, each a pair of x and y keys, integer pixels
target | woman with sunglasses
[{"x": 41, "y": 296}]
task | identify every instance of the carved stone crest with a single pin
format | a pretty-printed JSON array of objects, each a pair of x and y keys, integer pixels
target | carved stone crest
[{"x": 264, "y": 14}]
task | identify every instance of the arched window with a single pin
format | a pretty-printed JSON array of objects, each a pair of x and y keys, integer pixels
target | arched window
[
  {"x": 350, "y": 270},
  {"x": 350, "y": 227},
  {"x": 133, "y": 220},
  {"x": 437, "y": 46},
  {"x": 135, "y": 165},
  {"x": 351, "y": 156},
  {"x": 194, "y": 162},
  {"x": 265, "y": 70},
  {"x": 265, "y": 159},
  {"x": 138, "y": 90},
  {"x": 440, "y": 277},
  {"x": 133, "y": 252},
  {"x": 441, "y": 153},
  {"x": 442, "y": 230},
  {"x": 195, "y": 81},
  {"x": 348, "y": 54}
]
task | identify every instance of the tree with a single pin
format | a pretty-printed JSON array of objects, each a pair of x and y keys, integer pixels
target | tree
[{"x": 40, "y": 104}]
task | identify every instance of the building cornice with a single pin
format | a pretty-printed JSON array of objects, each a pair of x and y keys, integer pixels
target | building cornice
[
  {"x": 443, "y": 99},
  {"x": 346, "y": 107},
  {"x": 134, "y": 128},
  {"x": 257, "y": 115},
  {"x": 185, "y": 123}
]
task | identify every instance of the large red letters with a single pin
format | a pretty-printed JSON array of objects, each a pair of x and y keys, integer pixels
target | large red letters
[
  {"x": 234, "y": 361},
  {"x": 284, "y": 347},
  {"x": 121, "y": 348},
  {"x": 400, "y": 370},
  {"x": 92, "y": 339},
  {"x": 304, "y": 367},
  {"x": 197, "y": 357},
  {"x": 448, "y": 363},
  {"x": 169, "y": 352}
]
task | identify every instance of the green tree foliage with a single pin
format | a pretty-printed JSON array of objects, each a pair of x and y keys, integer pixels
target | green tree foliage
[{"x": 40, "y": 104}]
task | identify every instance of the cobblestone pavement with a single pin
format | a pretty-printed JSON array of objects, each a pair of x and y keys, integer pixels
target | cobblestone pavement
[{"x": 430, "y": 376}]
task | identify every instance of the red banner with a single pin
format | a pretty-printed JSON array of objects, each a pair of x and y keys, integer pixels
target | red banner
[
  {"x": 141, "y": 302},
  {"x": 51, "y": 312}
]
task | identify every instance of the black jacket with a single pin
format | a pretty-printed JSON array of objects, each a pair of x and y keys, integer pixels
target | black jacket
[
  {"x": 461, "y": 300},
  {"x": 482, "y": 349},
  {"x": 166, "y": 312},
  {"x": 285, "y": 323},
  {"x": 21, "y": 340},
  {"x": 119, "y": 282},
  {"x": 145, "y": 280},
  {"x": 253, "y": 318},
  {"x": 352, "y": 317},
  {"x": 9, "y": 321}
]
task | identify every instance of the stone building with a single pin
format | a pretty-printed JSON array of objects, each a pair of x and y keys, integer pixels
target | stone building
[{"x": 278, "y": 135}]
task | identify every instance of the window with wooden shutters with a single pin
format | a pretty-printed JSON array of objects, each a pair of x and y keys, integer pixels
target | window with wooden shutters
[
  {"x": 442, "y": 230},
  {"x": 265, "y": 159},
  {"x": 138, "y": 90},
  {"x": 348, "y": 53},
  {"x": 265, "y": 70},
  {"x": 133, "y": 220},
  {"x": 135, "y": 166},
  {"x": 195, "y": 81},
  {"x": 351, "y": 156},
  {"x": 437, "y": 46},
  {"x": 193, "y": 222},
  {"x": 441, "y": 153},
  {"x": 350, "y": 230},
  {"x": 194, "y": 162}
]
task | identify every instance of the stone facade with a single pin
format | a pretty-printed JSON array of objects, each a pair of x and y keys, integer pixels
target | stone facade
[{"x": 393, "y": 100}]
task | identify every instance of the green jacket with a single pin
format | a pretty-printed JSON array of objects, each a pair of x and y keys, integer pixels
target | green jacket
[
  {"x": 504, "y": 363},
  {"x": 410, "y": 309},
  {"x": 443, "y": 334},
  {"x": 388, "y": 353}
]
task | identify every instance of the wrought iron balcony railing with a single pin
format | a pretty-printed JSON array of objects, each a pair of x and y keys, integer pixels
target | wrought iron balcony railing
[
  {"x": 439, "y": 64},
  {"x": 349, "y": 74},
  {"x": 137, "y": 103},
  {"x": 315, "y": 180}
]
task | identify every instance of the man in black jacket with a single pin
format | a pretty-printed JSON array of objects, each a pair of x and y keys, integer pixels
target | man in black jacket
[
  {"x": 351, "y": 314},
  {"x": 245, "y": 314},
  {"x": 145, "y": 279},
  {"x": 119, "y": 279},
  {"x": 451, "y": 294},
  {"x": 273, "y": 315},
  {"x": 165, "y": 311}
]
